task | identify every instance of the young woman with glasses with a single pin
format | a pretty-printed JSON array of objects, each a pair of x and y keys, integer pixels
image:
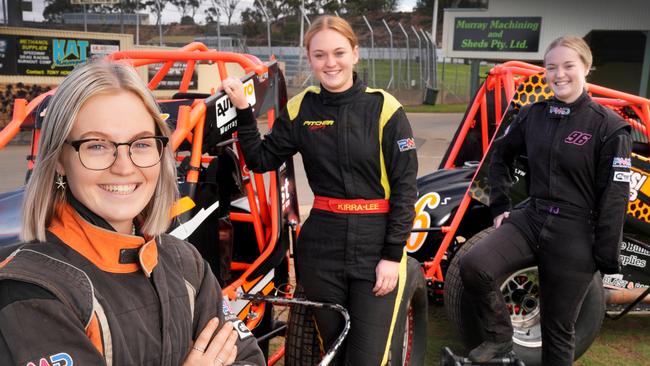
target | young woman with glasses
[{"x": 98, "y": 280}]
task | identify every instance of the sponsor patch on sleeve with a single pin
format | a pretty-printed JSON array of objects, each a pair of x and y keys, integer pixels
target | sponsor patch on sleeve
[
  {"x": 59, "y": 359},
  {"x": 622, "y": 176},
  {"x": 239, "y": 325},
  {"x": 241, "y": 329},
  {"x": 406, "y": 144},
  {"x": 619, "y": 162}
]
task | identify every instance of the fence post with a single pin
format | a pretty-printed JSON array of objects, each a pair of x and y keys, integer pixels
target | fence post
[
  {"x": 392, "y": 63},
  {"x": 426, "y": 43},
  {"x": 432, "y": 63},
  {"x": 372, "y": 48},
  {"x": 420, "y": 53},
  {"x": 408, "y": 57}
]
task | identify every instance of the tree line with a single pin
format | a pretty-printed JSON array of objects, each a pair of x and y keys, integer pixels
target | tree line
[{"x": 284, "y": 14}]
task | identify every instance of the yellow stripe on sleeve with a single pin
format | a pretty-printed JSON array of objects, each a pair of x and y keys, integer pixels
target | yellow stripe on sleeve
[{"x": 390, "y": 106}]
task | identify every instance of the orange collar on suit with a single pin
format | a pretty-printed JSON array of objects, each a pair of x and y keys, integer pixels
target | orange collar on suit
[{"x": 100, "y": 246}]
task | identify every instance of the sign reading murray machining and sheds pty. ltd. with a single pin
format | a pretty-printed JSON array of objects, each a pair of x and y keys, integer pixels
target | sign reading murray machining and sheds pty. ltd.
[{"x": 502, "y": 34}]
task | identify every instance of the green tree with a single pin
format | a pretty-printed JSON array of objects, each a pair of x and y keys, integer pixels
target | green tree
[
  {"x": 156, "y": 7},
  {"x": 187, "y": 8},
  {"x": 426, "y": 6},
  {"x": 219, "y": 7}
]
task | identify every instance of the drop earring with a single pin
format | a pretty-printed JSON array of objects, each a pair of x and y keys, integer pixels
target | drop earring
[{"x": 60, "y": 182}]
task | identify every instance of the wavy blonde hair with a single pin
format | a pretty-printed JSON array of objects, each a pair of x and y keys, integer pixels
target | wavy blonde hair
[{"x": 84, "y": 82}]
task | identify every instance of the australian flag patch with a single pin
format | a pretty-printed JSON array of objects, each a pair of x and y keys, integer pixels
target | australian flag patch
[
  {"x": 620, "y": 162},
  {"x": 406, "y": 144}
]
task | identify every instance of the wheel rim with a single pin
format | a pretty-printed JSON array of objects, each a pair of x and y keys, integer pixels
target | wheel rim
[
  {"x": 407, "y": 343},
  {"x": 521, "y": 293}
]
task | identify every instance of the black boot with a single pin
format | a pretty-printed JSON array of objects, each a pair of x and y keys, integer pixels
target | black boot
[{"x": 489, "y": 350}]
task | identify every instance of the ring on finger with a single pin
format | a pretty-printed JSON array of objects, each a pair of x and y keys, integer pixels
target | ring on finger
[
  {"x": 220, "y": 361},
  {"x": 202, "y": 350}
]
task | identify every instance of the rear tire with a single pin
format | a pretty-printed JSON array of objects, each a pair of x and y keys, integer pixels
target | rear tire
[
  {"x": 527, "y": 338},
  {"x": 408, "y": 344},
  {"x": 302, "y": 346}
]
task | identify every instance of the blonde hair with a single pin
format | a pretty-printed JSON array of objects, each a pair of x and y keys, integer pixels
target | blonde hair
[
  {"x": 337, "y": 24},
  {"x": 575, "y": 43},
  {"x": 84, "y": 82}
]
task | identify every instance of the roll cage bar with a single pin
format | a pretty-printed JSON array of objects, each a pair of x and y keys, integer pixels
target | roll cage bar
[{"x": 502, "y": 81}]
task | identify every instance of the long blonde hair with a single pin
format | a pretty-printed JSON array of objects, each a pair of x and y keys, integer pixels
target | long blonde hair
[{"x": 84, "y": 82}]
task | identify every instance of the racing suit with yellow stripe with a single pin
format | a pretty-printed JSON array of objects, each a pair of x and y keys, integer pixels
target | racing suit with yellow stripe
[
  {"x": 92, "y": 296},
  {"x": 356, "y": 144}
]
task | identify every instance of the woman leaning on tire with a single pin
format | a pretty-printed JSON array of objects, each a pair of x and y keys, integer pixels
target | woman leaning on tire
[{"x": 579, "y": 161}]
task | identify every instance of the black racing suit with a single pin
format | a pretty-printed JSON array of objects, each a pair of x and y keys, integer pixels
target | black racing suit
[
  {"x": 357, "y": 144},
  {"x": 579, "y": 160}
]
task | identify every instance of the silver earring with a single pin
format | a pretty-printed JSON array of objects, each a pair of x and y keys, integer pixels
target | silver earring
[{"x": 60, "y": 182}]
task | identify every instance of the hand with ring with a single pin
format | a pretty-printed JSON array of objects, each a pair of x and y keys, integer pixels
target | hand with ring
[{"x": 219, "y": 351}]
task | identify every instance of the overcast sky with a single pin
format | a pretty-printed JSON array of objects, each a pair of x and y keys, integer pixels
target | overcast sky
[{"x": 171, "y": 14}]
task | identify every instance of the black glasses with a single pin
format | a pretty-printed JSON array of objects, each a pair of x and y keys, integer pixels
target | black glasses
[{"x": 100, "y": 154}]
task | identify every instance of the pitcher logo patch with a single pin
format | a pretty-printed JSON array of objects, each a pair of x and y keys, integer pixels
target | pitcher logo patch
[
  {"x": 577, "y": 138},
  {"x": 406, "y": 144},
  {"x": 317, "y": 125}
]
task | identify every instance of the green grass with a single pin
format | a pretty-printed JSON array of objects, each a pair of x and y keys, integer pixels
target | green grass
[
  {"x": 623, "y": 342},
  {"x": 438, "y": 108},
  {"x": 453, "y": 79}
]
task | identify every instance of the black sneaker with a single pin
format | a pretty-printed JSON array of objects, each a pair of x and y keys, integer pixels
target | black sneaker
[{"x": 488, "y": 350}]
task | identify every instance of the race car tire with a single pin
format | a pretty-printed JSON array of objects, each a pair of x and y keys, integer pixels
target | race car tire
[
  {"x": 302, "y": 343},
  {"x": 302, "y": 346},
  {"x": 408, "y": 344},
  {"x": 460, "y": 311}
]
